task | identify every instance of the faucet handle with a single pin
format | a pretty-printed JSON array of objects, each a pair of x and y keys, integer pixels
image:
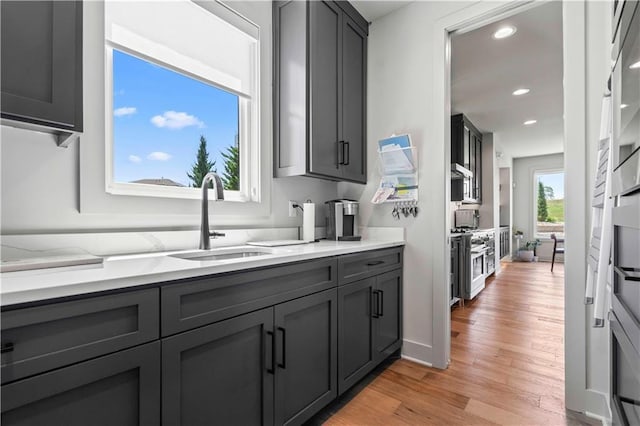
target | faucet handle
[{"x": 215, "y": 234}]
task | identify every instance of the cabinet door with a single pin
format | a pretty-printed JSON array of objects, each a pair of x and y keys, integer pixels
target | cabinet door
[
  {"x": 354, "y": 89},
  {"x": 41, "y": 62},
  {"x": 325, "y": 106},
  {"x": 306, "y": 356},
  {"x": 355, "y": 332},
  {"x": 388, "y": 314},
  {"x": 118, "y": 389},
  {"x": 466, "y": 147},
  {"x": 221, "y": 373},
  {"x": 477, "y": 174}
]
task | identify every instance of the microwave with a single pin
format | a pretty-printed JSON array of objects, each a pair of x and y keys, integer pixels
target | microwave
[{"x": 467, "y": 219}]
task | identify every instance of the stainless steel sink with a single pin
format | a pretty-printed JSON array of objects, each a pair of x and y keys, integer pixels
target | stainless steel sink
[{"x": 223, "y": 254}]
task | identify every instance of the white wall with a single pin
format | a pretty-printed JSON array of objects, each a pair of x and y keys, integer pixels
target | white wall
[
  {"x": 505, "y": 196},
  {"x": 406, "y": 81},
  {"x": 488, "y": 161},
  {"x": 43, "y": 186}
]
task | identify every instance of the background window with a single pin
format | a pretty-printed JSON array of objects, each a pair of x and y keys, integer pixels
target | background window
[
  {"x": 170, "y": 129},
  {"x": 549, "y": 204}
]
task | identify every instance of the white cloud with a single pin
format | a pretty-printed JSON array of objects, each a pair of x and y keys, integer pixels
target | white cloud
[
  {"x": 176, "y": 120},
  {"x": 159, "y": 156},
  {"x": 120, "y": 112},
  {"x": 135, "y": 159}
]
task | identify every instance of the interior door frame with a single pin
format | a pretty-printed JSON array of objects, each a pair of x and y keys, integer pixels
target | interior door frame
[{"x": 577, "y": 395}]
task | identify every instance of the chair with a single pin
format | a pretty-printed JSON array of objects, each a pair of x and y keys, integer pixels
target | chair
[{"x": 556, "y": 249}]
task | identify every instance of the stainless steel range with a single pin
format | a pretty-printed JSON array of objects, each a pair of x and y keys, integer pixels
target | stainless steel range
[
  {"x": 468, "y": 268},
  {"x": 488, "y": 238}
]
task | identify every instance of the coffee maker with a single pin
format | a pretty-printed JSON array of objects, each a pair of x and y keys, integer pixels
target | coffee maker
[{"x": 342, "y": 220}]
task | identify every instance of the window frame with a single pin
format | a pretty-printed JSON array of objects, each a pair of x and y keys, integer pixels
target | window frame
[
  {"x": 248, "y": 131},
  {"x": 536, "y": 174}
]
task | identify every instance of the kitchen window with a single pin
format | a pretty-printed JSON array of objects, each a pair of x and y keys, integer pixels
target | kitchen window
[
  {"x": 549, "y": 204},
  {"x": 182, "y": 99}
]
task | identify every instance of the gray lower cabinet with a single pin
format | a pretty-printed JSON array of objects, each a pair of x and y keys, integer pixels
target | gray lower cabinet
[
  {"x": 268, "y": 346},
  {"x": 118, "y": 389},
  {"x": 356, "y": 332},
  {"x": 388, "y": 314},
  {"x": 277, "y": 364},
  {"x": 306, "y": 356},
  {"x": 42, "y": 63},
  {"x": 370, "y": 325},
  {"x": 222, "y": 373}
]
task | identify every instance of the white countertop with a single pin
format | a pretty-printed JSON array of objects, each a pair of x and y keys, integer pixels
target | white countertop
[{"x": 118, "y": 272}]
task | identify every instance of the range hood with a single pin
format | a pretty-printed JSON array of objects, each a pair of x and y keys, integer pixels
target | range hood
[{"x": 460, "y": 172}]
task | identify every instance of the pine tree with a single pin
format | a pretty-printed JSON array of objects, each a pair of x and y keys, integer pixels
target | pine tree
[
  {"x": 202, "y": 166},
  {"x": 231, "y": 176},
  {"x": 543, "y": 213}
]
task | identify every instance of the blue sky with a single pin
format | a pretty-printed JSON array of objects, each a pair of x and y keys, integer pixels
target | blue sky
[
  {"x": 159, "y": 116},
  {"x": 555, "y": 181}
]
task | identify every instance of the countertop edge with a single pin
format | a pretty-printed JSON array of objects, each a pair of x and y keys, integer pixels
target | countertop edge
[{"x": 16, "y": 298}]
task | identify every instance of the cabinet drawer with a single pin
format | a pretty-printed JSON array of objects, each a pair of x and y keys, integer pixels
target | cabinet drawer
[
  {"x": 120, "y": 389},
  {"x": 191, "y": 304},
  {"x": 42, "y": 338},
  {"x": 355, "y": 267}
]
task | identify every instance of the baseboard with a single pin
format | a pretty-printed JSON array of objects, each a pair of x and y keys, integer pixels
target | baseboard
[
  {"x": 417, "y": 352},
  {"x": 598, "y": 406}
]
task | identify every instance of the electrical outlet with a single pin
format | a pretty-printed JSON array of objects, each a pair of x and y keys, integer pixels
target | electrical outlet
[{"x": 293, "y": 212}]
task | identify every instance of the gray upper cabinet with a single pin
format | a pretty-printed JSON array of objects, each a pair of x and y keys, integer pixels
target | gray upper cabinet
[
  {"x": 41, "y": 52},
  {"x": 466, "y": 150},
  {"x": 320, "y": 59}
]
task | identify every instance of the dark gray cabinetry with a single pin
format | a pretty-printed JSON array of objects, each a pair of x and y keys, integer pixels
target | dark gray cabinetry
[
  {"x": 306, "y": 356},
  {"x": 388, "y": 314},
  {"x": 118, "y": 389},
  {"x": 42, "y": 63},
  {"x": 466, "y": 149},
  {"x": 250, "y": 347},
  {"x": 220, "y": 373},
  {"x": 356, "y": 333},
  {"x": 320, "y": 56},
  {"x": 276, "y": 364},
  {"x": 370, "y": 322},
  {"x": 198, "y": 302},
  {"x": 38, "y": 339},
  {"x": 354, "y": 267}
]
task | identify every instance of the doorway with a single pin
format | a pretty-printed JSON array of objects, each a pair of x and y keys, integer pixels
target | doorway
[{"x": 506, "y": 85}]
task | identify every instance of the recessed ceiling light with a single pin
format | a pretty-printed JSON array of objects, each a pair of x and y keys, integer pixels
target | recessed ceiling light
[
  {"x": 519, "y": 92},
  {"x": 530, "y": 122},
  {"x": 504, "y": 32},
  {"x": 623, "y": 106},
  {"x": 635, "y": 65}
]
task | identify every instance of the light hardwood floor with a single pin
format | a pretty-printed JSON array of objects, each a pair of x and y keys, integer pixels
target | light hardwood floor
[{"x": 507, "y": 363}]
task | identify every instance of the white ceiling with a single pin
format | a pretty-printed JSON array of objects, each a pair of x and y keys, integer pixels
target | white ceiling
[
  {"x": 374, "y": 9},
  {"x": 485, "y": 71}
]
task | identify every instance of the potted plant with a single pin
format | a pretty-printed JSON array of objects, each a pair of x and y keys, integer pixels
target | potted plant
[{"x": 529, "y": 252}]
